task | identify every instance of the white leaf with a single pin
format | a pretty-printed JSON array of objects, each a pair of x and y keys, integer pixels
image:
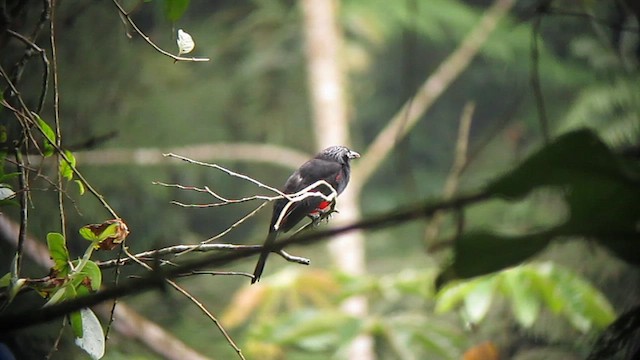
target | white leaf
[
  {"x": 185, "y": 42},
  {"x": 6, "y": 193},
  {"x": 92, "y": 340}
]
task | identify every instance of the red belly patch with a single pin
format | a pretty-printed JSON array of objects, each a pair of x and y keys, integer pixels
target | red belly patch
[{"x": 322, "y": 208}]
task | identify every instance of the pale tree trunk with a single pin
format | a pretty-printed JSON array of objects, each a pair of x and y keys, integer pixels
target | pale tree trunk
[{"x": 326, "y": 78}]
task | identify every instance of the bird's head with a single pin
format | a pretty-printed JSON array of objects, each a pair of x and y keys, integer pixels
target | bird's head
[{"x": 338, "y": 153}]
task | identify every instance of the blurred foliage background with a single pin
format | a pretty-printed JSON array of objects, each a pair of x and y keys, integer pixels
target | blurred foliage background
[{"x": 254, "y": 90}]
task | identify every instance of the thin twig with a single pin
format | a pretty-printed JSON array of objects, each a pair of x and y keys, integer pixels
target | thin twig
[
  {"x": 182, "y": 249},
  {"x": 22, "y": 184},
  {"x": 206, "y": 189},
  {"x": 458, "y": 166},
  {"x": 22, "y": 319},
  {"x": 218, "y": 273},
  {"x": 535, "y": 79},
  {"x": 227, "y": 171},
  {"x": 45, "y": 65},
  {"x": 30, "y": 117},
  {"x": 56, "y": 118},
  {"x": 193, "y": 300},
  {"x": 127, "y": 17}
]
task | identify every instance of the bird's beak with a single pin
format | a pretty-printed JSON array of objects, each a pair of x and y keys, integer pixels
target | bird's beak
[{"x": 353, "y": 155}]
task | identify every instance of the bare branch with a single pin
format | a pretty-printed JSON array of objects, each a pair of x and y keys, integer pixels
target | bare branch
[
  {"x": 458, "y": 166},
  {"x": 254, "y": 153},
  {"x": 155, "y": 278},
  {"x": 193, "y": 300},
  {"x": 406, "y": 118},
  {"x": 125, "y": 15}
]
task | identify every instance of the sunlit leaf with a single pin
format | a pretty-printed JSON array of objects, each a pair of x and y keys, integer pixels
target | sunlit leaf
[
  {"x": 92, "y": 339},
  {"x": 75, "y": 318},
  {"x": 64, "y": 292},
  {"x": 66, "y": 169},
  {"x": 185, "y": 42},
  {"x": 5, "y": 280},
  {"x": 90, "y": 277},
  {"x": 50, "y": 137},
  {"x": 107, "y": 235},
  {"x": 80, "y": 186},
  {"x": 478, "y": 299},
  {"x": 6, "y": 193},
  {"x": 524, "y": 302},
  {"x": 59, "y": 253}
]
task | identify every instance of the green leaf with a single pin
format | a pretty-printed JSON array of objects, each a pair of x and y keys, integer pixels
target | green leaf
[
  {"x": 5, "y": 280},
  {"x": 50, "y": 137},
  {"x": 600, "y": 188},
  {"x": 59, "y": 253},
  {"x": 583, "y": 305},
  {"x": 88, "y": 232},
  {"x": 66, "y": 169},
  {"x": 65, "y": 292},
  {"x": 451, "y": 295},
  {"x": 92, "y": 339},
  {"x": 75, "y": 318},
  {"x": 80, "y": 186},
  {"x": 91, "y": 273},
  {"x": 8, "y": 176},
  {"x": 478, "y": 300},
  {"x": 3, "y": 131},
  {"x": 525, "y": 303},
  {"x": 479, "y": 253},
  {"x": 174, "y": 9}
]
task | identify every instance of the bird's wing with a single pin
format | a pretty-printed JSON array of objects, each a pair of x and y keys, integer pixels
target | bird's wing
[{"x": 309, "y": 173}]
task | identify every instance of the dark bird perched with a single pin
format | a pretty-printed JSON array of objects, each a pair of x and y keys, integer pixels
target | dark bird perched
[{"x": 330, "y": 165}]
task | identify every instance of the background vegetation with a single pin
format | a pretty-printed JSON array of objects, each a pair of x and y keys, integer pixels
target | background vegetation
[{"x": 559, "y": 201}]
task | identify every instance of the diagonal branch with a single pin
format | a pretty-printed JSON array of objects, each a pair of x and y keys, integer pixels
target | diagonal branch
[
  {"x": 407, "y": 117},
  {"x": 135, "y": 27},
  {"x": 155, "y": 279}
]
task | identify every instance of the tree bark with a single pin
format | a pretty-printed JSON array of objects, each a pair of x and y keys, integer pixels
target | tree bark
[{"x": 327, "y": 83}]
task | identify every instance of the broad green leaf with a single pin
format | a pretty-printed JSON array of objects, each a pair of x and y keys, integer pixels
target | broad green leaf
[
  {"x": 65, "y": 292},
  {"x": 583, "y": 305},
  {"x": 50, "y": 137},
  {"x": 478, "y": 300},
  {"x": 5, "y": 280},
  {"x": 75, "y": 318},
  {"x": 600, "y": 188},
  {"x": 66, "y": 170},
  {"x": 452, "y": 295},
  {"x": 92, "y": 339},
  {"x": 91, "y": 274},
  {"x": 525, "y": 303},
  {"x": 59, "y": 253},
  {"x": 478, "y": 253},
  {"x": 174, "y": 9},
  {"x": 559, "y": 164}
]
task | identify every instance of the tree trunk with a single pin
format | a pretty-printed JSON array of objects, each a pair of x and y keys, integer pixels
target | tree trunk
[{"x": 326, "y": 80}]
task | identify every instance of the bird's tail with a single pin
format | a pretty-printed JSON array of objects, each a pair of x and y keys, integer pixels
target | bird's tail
[{"x": 263, "y": 256}]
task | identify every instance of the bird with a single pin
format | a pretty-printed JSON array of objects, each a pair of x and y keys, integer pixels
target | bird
[{"x": 331, "y": 165}]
